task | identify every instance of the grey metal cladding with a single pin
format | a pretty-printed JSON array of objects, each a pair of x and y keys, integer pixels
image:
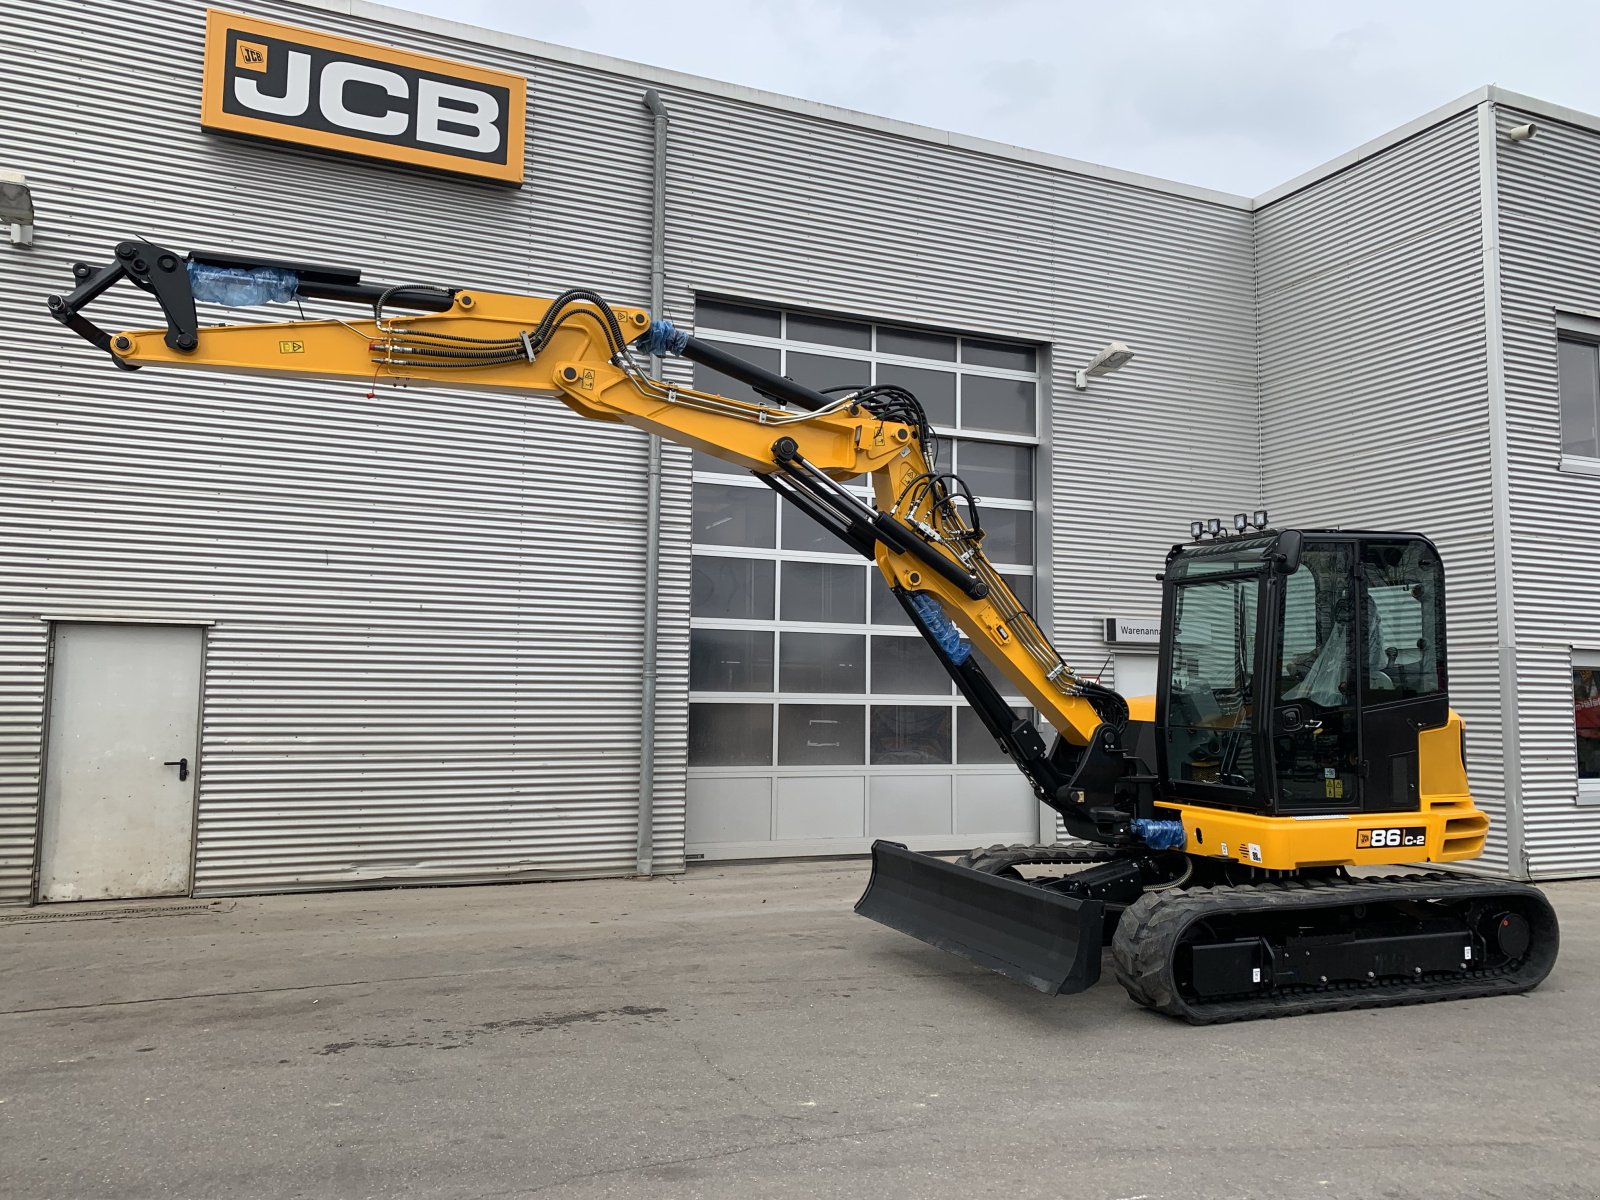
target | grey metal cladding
[
  {"x": 1170, "y": 437},
  {"x": 1374, "y": 386},
  {"x": 1549, "y": 194},
  {"x": 428, "y": 609}
]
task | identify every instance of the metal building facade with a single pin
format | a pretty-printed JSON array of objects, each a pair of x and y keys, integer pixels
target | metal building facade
[
  {"x": 1410, "y": 297},
  {"x": 1547, "y": 194},
  {"x": 1374, "y": 386},
  {"x": 425, "y": 611},
  {"x": 424, "y": 608}
]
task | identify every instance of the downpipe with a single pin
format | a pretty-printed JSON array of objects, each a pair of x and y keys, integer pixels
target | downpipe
[{"x": 645, "y": 845}]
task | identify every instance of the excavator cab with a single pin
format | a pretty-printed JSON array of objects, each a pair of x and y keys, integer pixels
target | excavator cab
[{"x": 1297, "y": 669}]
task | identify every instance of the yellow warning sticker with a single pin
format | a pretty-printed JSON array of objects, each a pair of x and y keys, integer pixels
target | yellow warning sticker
[{"x": 291, "y": 346}]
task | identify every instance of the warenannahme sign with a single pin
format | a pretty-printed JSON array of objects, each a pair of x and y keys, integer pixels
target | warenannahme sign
[{"x": 266, "y": 80}]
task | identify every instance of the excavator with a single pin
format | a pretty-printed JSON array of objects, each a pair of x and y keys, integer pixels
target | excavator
[{"x": 1229, "y": 835}]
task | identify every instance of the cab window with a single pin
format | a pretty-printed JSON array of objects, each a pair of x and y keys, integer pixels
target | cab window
[
  {"x": 1403, "y": 632},
  {"x": 1212, "y": 693},
  {"x": 1316, "y": 736}
]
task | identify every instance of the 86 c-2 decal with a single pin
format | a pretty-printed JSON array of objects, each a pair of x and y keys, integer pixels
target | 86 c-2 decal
[{"x": 1384, "y": 839}]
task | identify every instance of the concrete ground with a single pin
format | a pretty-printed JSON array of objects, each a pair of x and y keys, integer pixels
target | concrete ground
[{"x": 734, "y": 1033}]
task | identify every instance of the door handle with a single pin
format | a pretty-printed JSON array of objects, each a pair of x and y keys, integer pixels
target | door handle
[{"x": 183, "y": 767}]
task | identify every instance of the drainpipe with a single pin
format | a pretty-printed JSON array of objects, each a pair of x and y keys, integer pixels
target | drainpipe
[
  {"x": 1509, "y": 695},
  {"x": 652, "y": 550}
]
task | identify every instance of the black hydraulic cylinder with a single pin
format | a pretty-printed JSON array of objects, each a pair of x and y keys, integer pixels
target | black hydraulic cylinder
[
  {"x": 319, "y": 281},
  {"x": 898, "y": 537},
  {"x": 768, "y": 383}
]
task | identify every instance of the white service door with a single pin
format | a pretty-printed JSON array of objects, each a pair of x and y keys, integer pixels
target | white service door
[{"x": 118, "y": 821}]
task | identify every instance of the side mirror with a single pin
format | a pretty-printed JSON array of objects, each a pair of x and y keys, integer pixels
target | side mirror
[{"x": 1286, "y": 554}]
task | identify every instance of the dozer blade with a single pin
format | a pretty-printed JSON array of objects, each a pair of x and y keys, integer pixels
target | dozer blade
[{"x": 1038, "y": 937}]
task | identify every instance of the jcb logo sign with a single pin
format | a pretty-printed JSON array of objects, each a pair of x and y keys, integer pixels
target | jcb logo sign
[{"x": 272, "y": 81}]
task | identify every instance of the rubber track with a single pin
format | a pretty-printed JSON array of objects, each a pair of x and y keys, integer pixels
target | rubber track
[
  {"x": 1152, "y": 928},
  {"x": 994, "y": 859}
]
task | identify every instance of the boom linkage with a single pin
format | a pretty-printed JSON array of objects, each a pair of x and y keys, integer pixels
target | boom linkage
[{"x": 922, "y": 531}]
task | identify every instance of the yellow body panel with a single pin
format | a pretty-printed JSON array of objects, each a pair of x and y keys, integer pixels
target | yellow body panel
[{"x": 1448, "y": 827}]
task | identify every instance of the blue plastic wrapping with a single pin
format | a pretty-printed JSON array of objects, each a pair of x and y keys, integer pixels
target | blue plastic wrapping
[
  {"x": 951, "y": 640},
  {"x": 239, "y": 287},
  {"x": 663, "y": 339},
  {"x": 1161, "y": 835}
]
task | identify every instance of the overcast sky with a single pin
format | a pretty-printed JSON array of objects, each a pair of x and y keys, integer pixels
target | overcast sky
[{"x": 1230, "y": 94}]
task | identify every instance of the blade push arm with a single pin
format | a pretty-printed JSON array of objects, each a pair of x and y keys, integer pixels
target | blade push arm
[{"x": 922, "y": 530}]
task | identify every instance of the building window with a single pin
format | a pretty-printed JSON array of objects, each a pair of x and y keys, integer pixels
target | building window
[
  {"x": 799, "y": 654},
  {"x": 1580, "y": 398},
  {"x": 1586, "y": 723}
]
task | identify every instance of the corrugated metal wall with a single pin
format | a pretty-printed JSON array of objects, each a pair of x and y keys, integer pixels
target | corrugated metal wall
[
  {"x": 1550, "y": 259},
  {"x": 1374, "y": 387},
  {"x": 428, "y": 606},
  {"x": 425, "y": 663}
]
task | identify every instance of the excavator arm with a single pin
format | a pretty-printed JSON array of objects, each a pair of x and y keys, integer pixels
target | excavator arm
[{"x": 923, "y": 528}]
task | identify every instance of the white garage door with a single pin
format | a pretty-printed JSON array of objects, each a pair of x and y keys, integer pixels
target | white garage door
[{"x": 818, "y": 719}]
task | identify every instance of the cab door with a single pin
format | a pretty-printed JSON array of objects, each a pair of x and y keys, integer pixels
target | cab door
[
  {"x": 1315, "y": 721},
  {"x": 1402, "y": 660},
  {"x": 1208, "y": 702}
]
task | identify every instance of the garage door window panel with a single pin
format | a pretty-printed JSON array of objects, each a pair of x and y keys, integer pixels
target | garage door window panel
[
  {"x": 822, "y": 662},
  {"x": 936, "y": 390},
  {"x": 1001, "y": 405},
  {"x": 831, "y": 592},
  {"x": 853, "y": 689},
  {"x": 732, "y": 588},
  {"x": 996, "y": 470},
  {"x": 910, "y": 735},
  {"x": 730, "y": 660},
  {"x": 829, "y": 331},
  {"x": 821, "y": 735},
  {"x": 821, "y": 372},
  {"x": 730, "y": 515},
  {"x": 730, "y": 735},
  {"x": 906, "y": 666}
]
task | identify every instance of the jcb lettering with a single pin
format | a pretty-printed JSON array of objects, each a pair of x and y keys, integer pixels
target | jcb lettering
[
  {"x": 270, "y": 81},
  {"x": 366, "y": 100}
]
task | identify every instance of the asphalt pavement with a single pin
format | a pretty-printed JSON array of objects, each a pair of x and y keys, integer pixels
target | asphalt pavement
[{"x": 736, "y": 1032}]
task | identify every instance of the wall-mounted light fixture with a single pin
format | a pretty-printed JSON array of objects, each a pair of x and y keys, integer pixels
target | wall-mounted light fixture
[
  {"x": 16, "y": 207},
  {"x": 1113, "y": 357}
]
